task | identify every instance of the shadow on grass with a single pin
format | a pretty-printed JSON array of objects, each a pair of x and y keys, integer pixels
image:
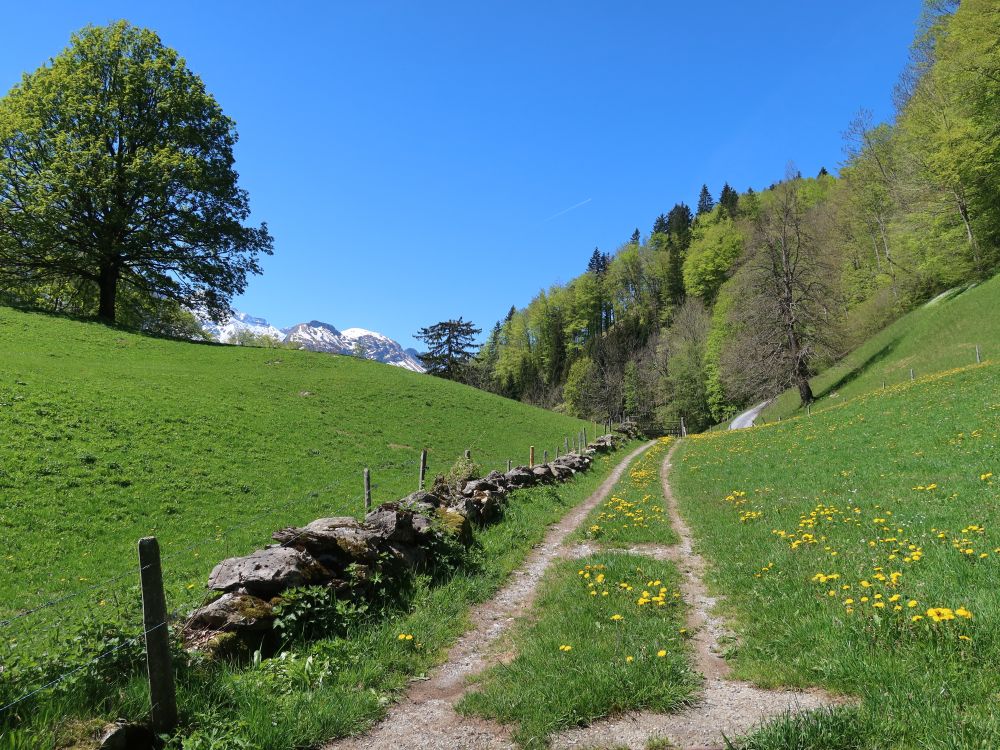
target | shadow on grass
[{"x": 855, "y": 372}]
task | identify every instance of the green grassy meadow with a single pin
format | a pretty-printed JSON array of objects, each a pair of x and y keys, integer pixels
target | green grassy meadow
[
  {"x": 110, "y": 436},
  {"x": 932, "y": 338},
  {"x": 859, "y": 549}
]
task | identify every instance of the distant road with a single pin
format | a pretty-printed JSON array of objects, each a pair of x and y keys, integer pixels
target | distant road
[{"x": 746, "y": 418}]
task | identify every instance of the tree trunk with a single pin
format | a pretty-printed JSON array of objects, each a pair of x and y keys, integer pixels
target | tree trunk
[
  {"x": 805, "y": 390},
  {"x": 108, "y": 286},
  {"x": 963, "y": 209}
]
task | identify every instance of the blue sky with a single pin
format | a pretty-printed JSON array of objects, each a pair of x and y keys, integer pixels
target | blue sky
[{"x": 416, "y": 161}]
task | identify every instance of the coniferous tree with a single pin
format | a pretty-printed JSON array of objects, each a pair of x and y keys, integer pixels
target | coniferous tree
[
  {"x": 636, "y": 238},
  {"x": 729, "y": 200},
  {"x": 449, "y": 347},
  {"x": 599, "y": 262},
  {"x": 679, "y": 222},
  {"x": 705, "y": 202},
  {"x": 822, "y": 172},
  {"x": 675, "y": 272},
  {"x": 660, "y": 225}
]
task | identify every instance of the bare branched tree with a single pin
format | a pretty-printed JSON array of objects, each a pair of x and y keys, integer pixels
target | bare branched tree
[{"x": 787, "y": 311}]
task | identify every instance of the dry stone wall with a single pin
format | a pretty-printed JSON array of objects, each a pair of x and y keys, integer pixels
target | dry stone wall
[{"x": 392, "y": 540}]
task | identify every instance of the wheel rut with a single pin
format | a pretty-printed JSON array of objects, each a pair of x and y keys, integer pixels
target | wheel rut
[
  {"x": 425, "y": 717},
  {"x": 725, "y": 708}
]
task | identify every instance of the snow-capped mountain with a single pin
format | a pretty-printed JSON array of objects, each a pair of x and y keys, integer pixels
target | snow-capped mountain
[
  {"x": 228, "y": 332},
  {"x": 318, "y": 336}
]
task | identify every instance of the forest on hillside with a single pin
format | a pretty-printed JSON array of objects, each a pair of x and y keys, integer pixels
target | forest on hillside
[{"x": 753, "y": 293}]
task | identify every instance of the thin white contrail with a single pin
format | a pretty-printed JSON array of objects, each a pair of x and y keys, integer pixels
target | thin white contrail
[{"x": 567, "y": 210}]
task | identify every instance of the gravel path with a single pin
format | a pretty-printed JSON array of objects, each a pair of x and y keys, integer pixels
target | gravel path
[
  {"x": 425, "y": 717},
  {"x": 726, "y": 707},
  {"x": 746, "y": 419}
]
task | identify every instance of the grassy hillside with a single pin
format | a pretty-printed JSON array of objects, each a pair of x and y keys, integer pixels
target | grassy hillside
[
  {"x": 872, "y": 566},
  {"x": 937, "y": 336},
  {"x": 110, "y": 436}
]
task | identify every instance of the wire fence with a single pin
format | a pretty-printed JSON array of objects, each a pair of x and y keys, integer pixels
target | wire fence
[{"x": 41, "y": 627}]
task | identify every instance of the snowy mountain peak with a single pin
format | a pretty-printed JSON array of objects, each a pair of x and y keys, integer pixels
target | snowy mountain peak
[{"x": 319, "y": 337}]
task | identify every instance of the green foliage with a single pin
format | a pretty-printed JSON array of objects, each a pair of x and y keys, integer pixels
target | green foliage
[
  {"x": 685, "y": 393},
  {"x": 716, "y": 244},
  {"x": 719, "y": 405},
  {"x": 118, "y": 171},
  {"x": 314, "y": 612},
  {"x": 581, "y": 391},
  {"x": 449, "y": 347}
]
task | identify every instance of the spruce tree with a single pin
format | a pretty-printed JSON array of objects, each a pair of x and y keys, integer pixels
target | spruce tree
[
  {"x": 449, "y": 347},
  {"x": 660, "y": 225},
  {"x": 598, "y": 263},
  {"x": 636, "y": 238},
  {"x": 679, "y": 222},
  {"x": 705, "y": 202},
  {"x": 729, "y": 200},
  {"x": 822, "y": 172}
]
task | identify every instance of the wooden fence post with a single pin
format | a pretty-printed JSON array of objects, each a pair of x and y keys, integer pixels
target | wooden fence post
[
  {"x": 545, "y": 457},
  {"x": 368, "y": 491},
  {"x": 509, "y": 465},
  {"x": 911, "y": 373},
  {"x": 584, "y": 437},
  {"x": 684, "y": 431},
  {"x": 979, "y": 359},
  {"x": 162, "y": 698},
  {"x": 531, "y": 457},
  {"x": 423, "y": 468}
]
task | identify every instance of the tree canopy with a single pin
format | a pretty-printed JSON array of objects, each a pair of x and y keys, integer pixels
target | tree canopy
[
  {"x": 116, "y": 170},
  {"x": 449, "y": 347}
]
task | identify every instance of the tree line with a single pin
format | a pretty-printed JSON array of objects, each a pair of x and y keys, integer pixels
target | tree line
[{"x": 754, "y": 292}]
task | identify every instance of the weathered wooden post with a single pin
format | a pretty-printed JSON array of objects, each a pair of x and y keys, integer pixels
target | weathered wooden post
[
  {"x": 545, "y": 457},
  {"x": 509, "y": 465},
  {"x": 566, "y": 444},
  {"x": 584, "y": 433},
  {"x": 911, "y": 373},
  {"x": 531, "y": 457},
  {"x": 808, "y": 410},
  {"x": 684, "y": 431},
  {"x": 162, "y": 698},
  {"x": 423, "y": 468},
  {"x": 979, "y": 359},
  {"x": 368, "y": 490}
]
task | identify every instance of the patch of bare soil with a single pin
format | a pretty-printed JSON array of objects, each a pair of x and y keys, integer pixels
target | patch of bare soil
[
  {"x": 425, "y": 718},
  {"x": 726, "y": 707}
]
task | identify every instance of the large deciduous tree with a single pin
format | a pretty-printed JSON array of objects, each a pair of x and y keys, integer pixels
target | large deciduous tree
[
  {"x": 116, "y": 168},
  {"x": 449, "y": 347},
  {"x": 788, "y": 308}
]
